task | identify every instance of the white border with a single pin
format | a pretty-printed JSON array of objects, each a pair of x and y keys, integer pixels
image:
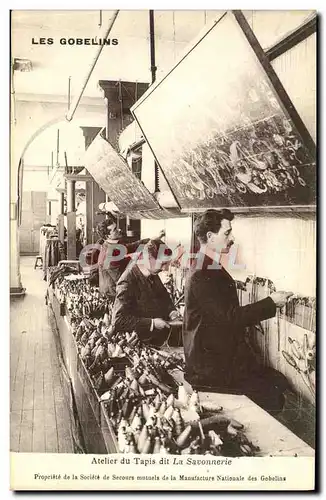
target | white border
[{"x": 4, "y": 197}]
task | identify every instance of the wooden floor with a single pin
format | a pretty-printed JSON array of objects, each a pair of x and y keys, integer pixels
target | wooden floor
[{"x": 39, "y": 420}]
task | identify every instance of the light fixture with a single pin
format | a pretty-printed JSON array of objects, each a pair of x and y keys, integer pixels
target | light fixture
[{"x": 22, "y": 65}]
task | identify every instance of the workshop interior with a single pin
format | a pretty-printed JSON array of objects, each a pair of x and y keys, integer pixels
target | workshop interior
[{"x": 135, "y": 128}]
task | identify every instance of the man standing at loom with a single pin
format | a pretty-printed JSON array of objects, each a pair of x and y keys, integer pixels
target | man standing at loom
[{"x": 218, "y": 359}]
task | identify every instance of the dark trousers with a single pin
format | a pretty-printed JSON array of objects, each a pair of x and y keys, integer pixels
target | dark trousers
[{"x": 266, "y": 388}]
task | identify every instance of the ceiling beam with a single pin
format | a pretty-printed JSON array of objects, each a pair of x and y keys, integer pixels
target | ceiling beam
[
  {"x": 292, "y": 39},
  {"x": 60, "y": 99}
]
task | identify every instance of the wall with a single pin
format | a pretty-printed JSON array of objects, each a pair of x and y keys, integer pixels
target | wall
[
  {"x": 178, "y": 231},
  {"x": 71, "y": 141},
  {"x": 175, "y": 30},
  {"x": 282, "y": 249},
  {"x": 297, "y": 71},
  {"x": 270, "y": 26},
  {"x": 35, "y": 178},
  {"x": 33, "y": 215},
  {"x": 31, "y": 116}
]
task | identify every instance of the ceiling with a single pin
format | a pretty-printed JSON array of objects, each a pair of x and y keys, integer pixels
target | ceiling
[{"x": 54, "y": 64}]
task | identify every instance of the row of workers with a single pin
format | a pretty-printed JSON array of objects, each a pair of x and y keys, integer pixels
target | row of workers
[{"x": 217, "y": 355}]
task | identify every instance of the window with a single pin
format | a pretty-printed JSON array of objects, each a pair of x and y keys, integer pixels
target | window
[{"x": 136, "y": 167}]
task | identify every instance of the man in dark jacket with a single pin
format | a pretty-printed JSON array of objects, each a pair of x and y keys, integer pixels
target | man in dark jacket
[
  {"x": 142, "y": 303},
  {"x": 114, "y": 257},
  {"x": 216, "y": 352}
]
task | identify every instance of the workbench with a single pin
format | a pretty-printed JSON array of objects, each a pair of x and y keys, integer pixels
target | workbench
[
  {"x": 272, "y": 437},
  {"x": 96, "y": 433},
  {"x": 263, "y": 430}
]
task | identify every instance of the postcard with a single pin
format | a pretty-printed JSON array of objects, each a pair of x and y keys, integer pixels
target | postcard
[{"x": 163, "y": 199}]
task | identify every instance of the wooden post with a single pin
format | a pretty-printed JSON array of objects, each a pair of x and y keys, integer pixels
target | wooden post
[
  {"x": 61, "y": 220},
  {"x": 98, "y": 197},
  {"x": 89, "y": 212},
  {"x": 66, "y": 163},
  {"x": 62, "y": 203},
  {"x": 61, "y": 228},
  {"x": 71, "y": 235},
  {"x": 71, "y": 196}
]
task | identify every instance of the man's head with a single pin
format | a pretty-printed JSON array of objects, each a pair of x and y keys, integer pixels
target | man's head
[
  {"x": 213, "y": 229},
  {"x": 114, "y": 233},
  {"x": 108, "y": 229},
  {"x": 156, "y": 254},
  {"x": 102, "y": 229}
]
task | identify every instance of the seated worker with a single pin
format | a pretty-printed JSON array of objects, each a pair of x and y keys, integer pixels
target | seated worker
[
  {"x": 114, "y": 257},
  {"x": 217, "y": 356},
  {"x": 142, "y": 302}
]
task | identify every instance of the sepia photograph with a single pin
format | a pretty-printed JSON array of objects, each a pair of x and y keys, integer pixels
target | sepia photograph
[{"x": 163, "y": 200}]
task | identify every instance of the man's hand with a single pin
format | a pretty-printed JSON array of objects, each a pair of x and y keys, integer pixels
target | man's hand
[
  {"x": 160, "y": 324},
  {"x": 280, "y": 298},
  {"x": 174, "y": 315}
]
